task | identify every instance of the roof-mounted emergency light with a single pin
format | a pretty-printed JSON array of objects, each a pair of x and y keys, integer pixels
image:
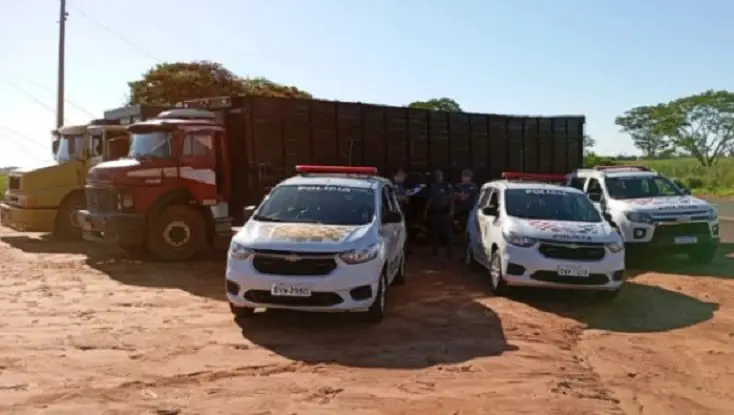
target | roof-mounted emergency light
[
  {"x": 337, "y": 170},
  {"x": 534, "y": 177},
  {"x": 187, "y": 114},
  {"x": 624, "y": 168}
]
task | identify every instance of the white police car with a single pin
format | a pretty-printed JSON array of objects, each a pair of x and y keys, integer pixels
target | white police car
[
  {"x": 652, "y": 213},
  {"x": 543, "y": 235},
  {"x": 329, "y": 239}
]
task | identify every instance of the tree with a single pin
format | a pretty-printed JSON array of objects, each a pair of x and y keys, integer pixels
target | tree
[
  {"x": 589, "y": 144},
  {"x": 701, "y": 125},
  {"x": 640, "y": 123},
  {"x": 172, "y": 82},
  {"x": 437, "y": 104}
]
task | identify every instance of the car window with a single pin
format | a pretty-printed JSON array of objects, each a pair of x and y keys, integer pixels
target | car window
[
  {"x": 577, "y": 182},
  {"x": 198, "y": 144},
  {"x": 593, "y": 186},
  {"x": 322, "y": 204},
  {"x": 550, "y": 204},
  {"x": 631, "y": 187},
  {"x": 484, "y": 198}
]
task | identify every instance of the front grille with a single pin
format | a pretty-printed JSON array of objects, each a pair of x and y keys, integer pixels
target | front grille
[
  {"x": 552, "y": 276},
  {"x": 573, "y": 252},
  {"x": 317, "y": 299},
  {"x": 294, "y": 263},
  {"x": 100, "y": 199},
  {"x": 666, "y": 234},
  {"x": 13, "y": 183}
]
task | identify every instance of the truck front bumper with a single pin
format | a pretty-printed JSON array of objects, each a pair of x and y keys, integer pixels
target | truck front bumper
[
  {"x": 27, "y": 220},
  {"x": 115, "y": 228}
]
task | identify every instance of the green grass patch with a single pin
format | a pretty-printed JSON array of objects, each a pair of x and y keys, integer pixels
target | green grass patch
[
  {"x": 717, "y": 180},
  {"x": 3, "y": 183}
]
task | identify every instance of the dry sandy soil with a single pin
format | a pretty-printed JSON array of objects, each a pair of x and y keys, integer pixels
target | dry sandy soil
[{"x": 86, "y": 331}]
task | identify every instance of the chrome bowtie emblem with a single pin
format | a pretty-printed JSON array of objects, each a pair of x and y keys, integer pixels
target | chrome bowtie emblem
[
  {"x": 574, "y": 246},
  {"x": 292, "y": 258}
]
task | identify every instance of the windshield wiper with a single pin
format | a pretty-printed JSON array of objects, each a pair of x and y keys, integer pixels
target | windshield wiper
[{"x": 262, "y": 218}]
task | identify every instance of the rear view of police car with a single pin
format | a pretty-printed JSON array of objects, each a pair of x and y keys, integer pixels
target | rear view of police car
[
  {"x": 652, "y": 212},
  {"x": 543, "y": 235},
  {"x": 330, "y": 239}
]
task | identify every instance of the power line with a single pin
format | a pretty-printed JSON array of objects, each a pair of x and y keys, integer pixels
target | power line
[
  {"x": 115, "y": 34},
  {"x": 67, "y": 100},
  {"x": 25, "y": 136},
  {"x": 22, "y": 147}
]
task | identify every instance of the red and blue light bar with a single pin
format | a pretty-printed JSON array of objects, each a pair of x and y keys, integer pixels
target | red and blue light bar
[{"x": 324, "y": 169}]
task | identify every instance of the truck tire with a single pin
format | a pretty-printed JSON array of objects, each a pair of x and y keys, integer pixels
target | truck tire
[
  {"x": 178, "y": 234},
  {"x": 66, "y": 225}
]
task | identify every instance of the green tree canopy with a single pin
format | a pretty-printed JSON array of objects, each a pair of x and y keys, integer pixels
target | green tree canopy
[
  {"x": 438, "y": 104},
  {"x": 172, "y": 82},
  {"x": 701, "y": 125}
]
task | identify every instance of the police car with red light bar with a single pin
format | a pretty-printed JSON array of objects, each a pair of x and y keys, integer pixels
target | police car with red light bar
[
  {"x": 330, "y": 238},
  {"x": 530, "y": 233},
  {"x": 651, "y": 212}
]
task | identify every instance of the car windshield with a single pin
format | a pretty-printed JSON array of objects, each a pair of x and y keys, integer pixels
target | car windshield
[
  {"x": 327, "y": 205},
  {"x": 69, "y": 148},
  {"x": 550, "y": 204},
  {"x": 155, "y": 144},
  {"x": 636, "y": 187}
]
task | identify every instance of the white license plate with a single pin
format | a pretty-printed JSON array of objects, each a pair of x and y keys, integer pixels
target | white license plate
[
  {"x": 283, "y": 290},
  {"x": 572, "y": 271},
  {"x": 685, "y": 240}
]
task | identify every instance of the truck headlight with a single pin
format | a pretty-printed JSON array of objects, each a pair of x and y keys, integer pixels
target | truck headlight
[
  {"x": 125, "y": 201},
  {"x": 713, "y": 215},
  {"x": 638, "y": 217},
  {"x": 519, "y": 240},
  {"x": 358, "y": 256},
  {"x": 615, "y": 247},
  {"x": 239, "y": 252}
]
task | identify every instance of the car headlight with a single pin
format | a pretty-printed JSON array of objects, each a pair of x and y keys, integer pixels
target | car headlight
[
  {"x": 239, "y": 252},
  {"x": 615, "y": 247},
  {"x": 638, "y": 217},
  {"x": 713, "y": 215},
  {"x": 519, "y": 240},
  {"x": 358, "y": 256}
]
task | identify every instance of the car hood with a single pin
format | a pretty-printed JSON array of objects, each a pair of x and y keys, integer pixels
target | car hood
[
  {"x": 303, "y": 236},
  {"x": 667, "y": 204},
  {"x": 563, "y": 230}
]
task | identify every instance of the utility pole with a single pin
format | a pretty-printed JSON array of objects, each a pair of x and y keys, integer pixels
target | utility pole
[{"x": 60, "y": 85}]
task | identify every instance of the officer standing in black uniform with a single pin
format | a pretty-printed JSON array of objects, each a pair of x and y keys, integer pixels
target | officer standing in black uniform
[
  {"x": 466, "y": 197},
  {"x": 401, "y": 192},
  {"x": 439, "y": 211}
]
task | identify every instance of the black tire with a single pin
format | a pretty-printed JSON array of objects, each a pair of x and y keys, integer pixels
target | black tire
[
  {"x": 164, "y": 233},
  {"x": 241, "y": 312},
  {"x": 376, "y": 312},
  {"x": 703, "y": 255},
  {"x": 400, "y": 275},
  {"x": 66, "y": 226},
  {"x": 500, "y": 287}
]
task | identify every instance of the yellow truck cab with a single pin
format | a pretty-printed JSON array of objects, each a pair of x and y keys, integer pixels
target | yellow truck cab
[{"x": 44, "y": 198}]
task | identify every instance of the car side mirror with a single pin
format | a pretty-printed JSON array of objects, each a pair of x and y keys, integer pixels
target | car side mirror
[
  {"x": 685, "y": 190},
  {"x": 392, "y": 217},
  {"x": 248, "y": 211},
  {"x": 489, "y": 211},
  {"x": 595, "y": 197}
]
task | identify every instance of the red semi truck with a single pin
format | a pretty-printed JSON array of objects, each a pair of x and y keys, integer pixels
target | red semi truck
[{"x": 193, "y": 169}]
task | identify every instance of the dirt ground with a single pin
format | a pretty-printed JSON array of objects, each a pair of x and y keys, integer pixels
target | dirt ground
[{"x": 85, "y": 331}]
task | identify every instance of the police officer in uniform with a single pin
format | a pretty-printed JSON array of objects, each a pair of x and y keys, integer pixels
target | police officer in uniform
[
  {"x": 466, "y": 197},
  {"x": 401, "y": 192},
  {"x": 439, "y": 211}
]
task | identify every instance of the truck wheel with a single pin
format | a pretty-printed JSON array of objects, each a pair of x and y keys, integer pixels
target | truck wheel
[
  {"x": 178, "y": 234},
  {"x": 66, "y": 226},
  {"x": 703, "y": 255}
]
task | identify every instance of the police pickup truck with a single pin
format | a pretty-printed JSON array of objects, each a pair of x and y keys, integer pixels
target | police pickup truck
[{"x": 651, "y": 212}]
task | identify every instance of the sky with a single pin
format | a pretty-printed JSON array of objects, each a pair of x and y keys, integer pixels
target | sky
[{"x": 525, "y": 57}]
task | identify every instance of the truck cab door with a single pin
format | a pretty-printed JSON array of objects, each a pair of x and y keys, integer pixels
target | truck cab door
[{"x": 197, "y": 164}]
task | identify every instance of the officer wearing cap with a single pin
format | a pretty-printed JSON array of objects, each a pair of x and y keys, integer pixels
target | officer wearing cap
[
  {"x": 401, "y": 192},
  {"x": 439, "y": 211},
  {"x": 466, "y": 196}
]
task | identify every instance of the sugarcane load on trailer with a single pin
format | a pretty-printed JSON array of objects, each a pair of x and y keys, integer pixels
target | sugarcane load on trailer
[{"x": 192, "y": 170}]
